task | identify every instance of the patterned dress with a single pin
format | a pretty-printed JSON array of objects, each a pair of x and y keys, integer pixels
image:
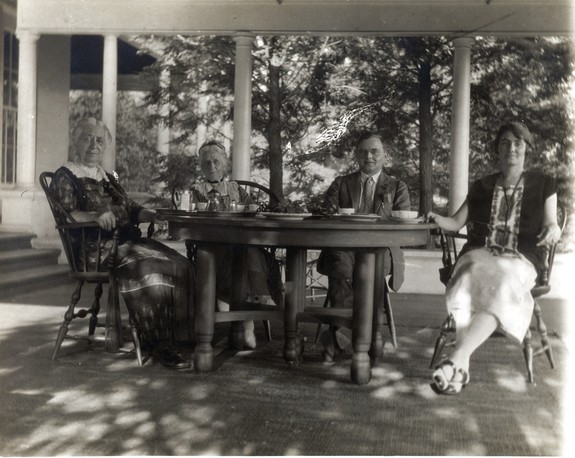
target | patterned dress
[
  {"x": 498, "y": 268},
  {"x": 156, "y": 282}
]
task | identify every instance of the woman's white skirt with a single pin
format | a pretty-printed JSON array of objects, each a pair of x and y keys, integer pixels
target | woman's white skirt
[{"x": 496, "y": 284}]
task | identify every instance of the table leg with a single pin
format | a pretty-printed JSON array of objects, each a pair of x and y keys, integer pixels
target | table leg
[
  {"x": 376, "y": 350},
  {"x": 363, "y": 280},
  {"x": 294, "y": 302},
  {"x": 113, "y": 317},
  {"x": 238, "y": 292},
  {"x": 205, "y": 308}
]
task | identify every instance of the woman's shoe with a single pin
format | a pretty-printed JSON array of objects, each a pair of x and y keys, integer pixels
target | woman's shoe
[
  {"x": 449, "y": 380},
  {"x": 329, "y": 346},
  {"x": 171, "y": 359}
]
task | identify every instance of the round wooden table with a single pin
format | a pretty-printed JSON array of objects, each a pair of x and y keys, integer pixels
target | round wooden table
[{"x": 296, "y": 236}]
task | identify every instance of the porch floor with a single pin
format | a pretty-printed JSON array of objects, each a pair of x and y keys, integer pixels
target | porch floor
[{"x": 89, "y": 402}]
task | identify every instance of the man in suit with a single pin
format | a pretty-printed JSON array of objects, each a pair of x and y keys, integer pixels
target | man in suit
[{"x": 369, "y": 190}]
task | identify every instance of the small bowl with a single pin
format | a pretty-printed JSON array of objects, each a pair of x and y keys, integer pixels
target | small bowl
[
  {"x": 202, "y": 206},
  {"x": 404, "y": 214},
  {"x": 346, "y": 211},
  {"x": 253, "y": 207}
]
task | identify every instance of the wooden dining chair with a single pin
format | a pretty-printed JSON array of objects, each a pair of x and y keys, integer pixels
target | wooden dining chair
[
  {"x": 259, "y": 193},
  {"x": 450, "y": 253},
  {"x": 75, "y": 238},
  {"x": 385, "y": 308}
]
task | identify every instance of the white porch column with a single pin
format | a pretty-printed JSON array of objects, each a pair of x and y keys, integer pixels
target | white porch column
[
  {"x": 242, "y": 107},
  {"x": 163, "y": 138},
  {"x": 109, "y": 89},
  {"x": 27, "y": 76},
  {"x": 201, "y": 130},
  {"x": 459, "y": 166}
]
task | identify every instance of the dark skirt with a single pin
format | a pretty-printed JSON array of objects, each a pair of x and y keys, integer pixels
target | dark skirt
[{"x": 157, "y": 284}]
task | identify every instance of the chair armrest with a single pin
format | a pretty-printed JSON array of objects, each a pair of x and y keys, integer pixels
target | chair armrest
[
  {"x": 457, "y": 235},
  {"x": 85, "y": 225}
]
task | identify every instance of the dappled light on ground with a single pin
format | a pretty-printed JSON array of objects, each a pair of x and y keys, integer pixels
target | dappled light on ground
[
  {"x": 89, "y": 402},
  {"x": 511, "y": 379}
]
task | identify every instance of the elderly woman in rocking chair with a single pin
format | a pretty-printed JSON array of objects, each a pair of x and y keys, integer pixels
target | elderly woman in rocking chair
[
  {"x": 155, "y": 281},
  {"x": 509, "y": 215}
]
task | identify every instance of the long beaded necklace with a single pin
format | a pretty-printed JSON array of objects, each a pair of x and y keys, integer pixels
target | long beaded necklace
[{"x": 509, "y": 201}]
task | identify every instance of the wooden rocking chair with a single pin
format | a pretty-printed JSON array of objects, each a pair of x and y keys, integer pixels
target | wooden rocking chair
[
  {"x": 74, "y": 237},
  {"x": 542, "y": 287}
]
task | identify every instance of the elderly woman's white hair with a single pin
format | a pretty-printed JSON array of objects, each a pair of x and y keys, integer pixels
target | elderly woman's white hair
[
  {"x": 211, "y": 143},
  {"x": 214, "y": 145}
]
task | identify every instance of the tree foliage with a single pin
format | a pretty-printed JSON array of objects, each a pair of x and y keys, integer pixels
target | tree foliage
[{"x": 302, "y": 86}]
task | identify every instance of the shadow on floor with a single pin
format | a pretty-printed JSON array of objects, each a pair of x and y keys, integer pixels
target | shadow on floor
[{"x": 89, "y": 402}]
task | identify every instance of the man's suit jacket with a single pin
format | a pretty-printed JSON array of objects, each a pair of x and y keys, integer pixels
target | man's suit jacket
[{"x": 345, "y": 192}]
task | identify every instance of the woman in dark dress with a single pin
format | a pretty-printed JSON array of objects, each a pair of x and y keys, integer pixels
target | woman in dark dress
[
  {"x": 155, "y": 281},
  {"x": 509, "y": 215}
]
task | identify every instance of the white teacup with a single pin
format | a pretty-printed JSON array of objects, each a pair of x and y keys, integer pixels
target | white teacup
[
  {"x": 346, "y": 211},
  {"x": 202, "y": 206},
  {"x": 240, "y": 207},
  {"x": 253, "y": 207},
  {"x": 192, "y": 206}
]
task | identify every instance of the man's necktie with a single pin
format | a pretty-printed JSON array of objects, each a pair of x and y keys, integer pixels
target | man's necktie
[{"x": 366, "y": 205}]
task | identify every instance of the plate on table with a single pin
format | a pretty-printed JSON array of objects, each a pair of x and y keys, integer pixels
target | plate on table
[
  {"x": 357, "y": 217},
  {"x": 220, "y": 213},
  {"x": 419, "y": 219},
  {"x": 284, "y": 216},
  {"x": 174, "y": 212}
]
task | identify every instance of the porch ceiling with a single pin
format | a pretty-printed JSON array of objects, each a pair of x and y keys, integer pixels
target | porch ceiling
[{"x": 318, "y": 17}]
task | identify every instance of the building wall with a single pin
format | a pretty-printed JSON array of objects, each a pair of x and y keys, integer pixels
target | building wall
[
  {"x": 28, "y": 211},
  {"x": 53, "y": 102},
  {"x": 53, "y": 122}
]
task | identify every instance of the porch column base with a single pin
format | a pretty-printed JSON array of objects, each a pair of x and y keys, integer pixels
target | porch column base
[{"x": 27, "y": 211}]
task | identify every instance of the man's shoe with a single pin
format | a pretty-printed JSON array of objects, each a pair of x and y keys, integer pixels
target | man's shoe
[
  {"x": 171, "y": 359},
  {"x": 249, "y": 335},
  {"x": 343, "y": 339}
]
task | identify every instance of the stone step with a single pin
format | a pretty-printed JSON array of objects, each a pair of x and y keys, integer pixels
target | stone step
[
  {"x": 14, "y": 241},
  {"x": 19, "y": 281},
  {"x": 27, "y": 258}
]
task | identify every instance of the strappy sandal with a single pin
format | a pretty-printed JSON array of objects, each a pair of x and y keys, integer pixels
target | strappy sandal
[{"x": 442, "y": 384}]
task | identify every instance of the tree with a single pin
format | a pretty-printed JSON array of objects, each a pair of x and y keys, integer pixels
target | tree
[
  {"x": 303, "y": 85},
  {"x": 527, "y": 79},
  {"x": 287, "y": 91},
  {"x": 408, "y": 81}
]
